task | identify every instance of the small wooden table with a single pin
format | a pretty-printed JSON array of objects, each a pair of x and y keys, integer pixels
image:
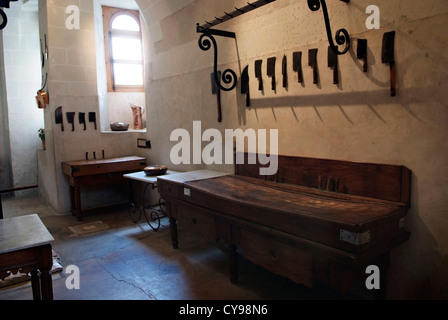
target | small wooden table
[
  {"x": 25, "y": 246},
  {"x": 97, "y": 173}
]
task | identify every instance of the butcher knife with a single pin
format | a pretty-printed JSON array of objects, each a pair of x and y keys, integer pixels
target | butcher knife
[
  {"x": 271, "y": 70},
  {"x": 333, "y": 64},
  {"x": 59, "y": 117},
  {"x": 245, "y": 85},
  {"x": 216, "y": 90},
  {"x": 361, "y": 52},
  {"x": 92, "y": 118},
  {"x": 312, "y": 62},
  {"x": 388, "y": 57},
  {"x": 71, "y": 119},
  {"x": 258, "y": 75},
  {"x": 285, "y": 71},
  {"x": 82, "y": 119},
  {"x": 297, "y": 65}
]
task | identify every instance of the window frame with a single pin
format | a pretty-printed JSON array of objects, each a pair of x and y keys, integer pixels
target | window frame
[{"x": 109, "y": 14}]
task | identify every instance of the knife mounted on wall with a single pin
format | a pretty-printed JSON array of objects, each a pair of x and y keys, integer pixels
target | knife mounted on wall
[
  {"x": 312, "y": 62},
  {"x": 388, "y": 57},
  {"x": 245, "y": 85},
  {"x": 361, "y": 53},
  {"x": 92, "y": 118},
  {"x": 258, "y": 74},
  {"x": 297, "y": 65},
  {"x": 82, "y": 119},
  {"x": 285, "y": 72},
  {"x": 271, "y": 71},
  {"x": 59, "y": 117},
  {"x": 333, "y": 64},
  {"x": 71, "y": 119}
]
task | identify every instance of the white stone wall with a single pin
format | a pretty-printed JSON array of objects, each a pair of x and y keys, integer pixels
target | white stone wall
[
  {"x": 73, "y": 84},
  {"x": 23, "y": 79},
  {"x": 356, "y": 121}
]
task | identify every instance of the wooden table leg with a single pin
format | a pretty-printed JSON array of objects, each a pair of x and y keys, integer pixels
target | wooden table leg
[
  {"x": 233, "y": 263},
  {"x": 77, "y": 195},
  {"x": 1, "y": 207},
  {"x": 45, "y": 264},
  {"x": 173, "y": 232},
  {"x": 35, "y": 283}
]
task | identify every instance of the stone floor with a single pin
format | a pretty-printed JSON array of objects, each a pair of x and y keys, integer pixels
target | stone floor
[{"x": 130, "y": 261}]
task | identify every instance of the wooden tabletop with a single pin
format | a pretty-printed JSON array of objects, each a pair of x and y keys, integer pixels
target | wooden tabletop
[
  {"x": 103, "y": 161},
  {"x": 23, "y": 232}
]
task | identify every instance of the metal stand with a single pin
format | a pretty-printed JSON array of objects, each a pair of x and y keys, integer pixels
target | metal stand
[{"x": 152, "y": 212}]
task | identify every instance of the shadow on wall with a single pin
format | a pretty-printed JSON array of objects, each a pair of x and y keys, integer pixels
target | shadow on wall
[
  {"x": 340, "y": 99},
  {"x": 417, "y": 268}
]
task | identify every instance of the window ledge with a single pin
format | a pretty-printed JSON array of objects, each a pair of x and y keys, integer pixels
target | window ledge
[{"x": 128, "y": 131}]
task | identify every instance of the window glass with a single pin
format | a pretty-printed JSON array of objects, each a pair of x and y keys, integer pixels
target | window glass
[
  {"x": 128, "y": 74},
  {"x": 125, "y": 22},
  {"x": 124, "y": 48}
]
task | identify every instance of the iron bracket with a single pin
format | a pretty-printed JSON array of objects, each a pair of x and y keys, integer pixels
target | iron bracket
[
  {"x": 4, "y": 4},
  {"x": 206, "y": 40},
  {"x": 342, "y": 37}
]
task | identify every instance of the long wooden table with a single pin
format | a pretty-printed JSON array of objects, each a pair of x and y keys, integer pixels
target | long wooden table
[
  {"x": 97, "y": 173},
  {"x": 25, "y": 247},
  {"x": 314, "y": 221}
]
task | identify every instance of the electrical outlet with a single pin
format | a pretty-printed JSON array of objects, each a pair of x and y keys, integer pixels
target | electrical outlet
[{"x": 144, "y": 144}]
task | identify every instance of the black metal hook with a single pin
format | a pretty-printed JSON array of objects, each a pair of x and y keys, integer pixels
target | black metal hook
[
  {"x": 342, "y": 37},
  {"x": 228, "y": 14},
  {"x": 252, "y": 5},
  {"x": 239, "y": 9}
]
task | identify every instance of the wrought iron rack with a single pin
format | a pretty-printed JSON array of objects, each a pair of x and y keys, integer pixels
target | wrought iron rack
[
  {"x": 4, "y": 4},
  {"x": 228, "y": 76}
]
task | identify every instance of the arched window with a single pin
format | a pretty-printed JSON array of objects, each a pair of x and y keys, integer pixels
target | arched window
[{"x": 124, "y": 50}]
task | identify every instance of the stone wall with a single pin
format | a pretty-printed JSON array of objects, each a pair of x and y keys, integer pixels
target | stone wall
[
  {"x": 23, "y": 78},
  {"x": 356, "y": 120}
]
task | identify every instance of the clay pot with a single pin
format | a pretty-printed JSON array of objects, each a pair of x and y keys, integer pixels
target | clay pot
[{"x": 137, "y": 113}]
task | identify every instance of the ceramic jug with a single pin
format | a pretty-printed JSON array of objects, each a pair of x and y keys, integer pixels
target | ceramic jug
[{"x": 137, "y": 113}]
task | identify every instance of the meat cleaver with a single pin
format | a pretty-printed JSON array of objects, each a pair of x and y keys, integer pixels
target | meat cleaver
[
  {"x": 285, "y": 72},
  {"x": 271, "y": 71},
  {"x": 92, "y": 118},
  {"x": 245, "y": 85},
  {"x": 333, "y": 64},
  {"x": 297, "y": 64},
  {"x": 59, "y": 118},
  {"x": 312, "y": 62},
  {"x": 216, "y": 90},
  {"x": 388, "y": 57},
  {"x": 258, "y": 75},
  {"x": 71, "y": 119},
  {"x": 361, "y": 52},
  {"x": 82, "y": 119}
]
